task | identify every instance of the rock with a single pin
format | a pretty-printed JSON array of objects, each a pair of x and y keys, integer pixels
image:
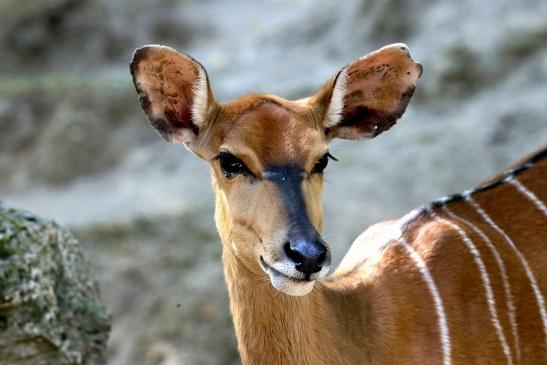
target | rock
[{"x": 50, "y": 312}]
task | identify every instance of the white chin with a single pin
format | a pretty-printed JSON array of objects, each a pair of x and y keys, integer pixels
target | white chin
[{"x": 290, "y": 286}]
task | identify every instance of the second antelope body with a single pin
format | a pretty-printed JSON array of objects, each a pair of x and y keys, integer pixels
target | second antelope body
[{"x": 459, "y": 281}]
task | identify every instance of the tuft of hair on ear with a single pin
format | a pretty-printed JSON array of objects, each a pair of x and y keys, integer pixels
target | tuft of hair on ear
[
  {"x": 201, "y": 99},
  {"x": 367, "y": 96},
  {"x": 336, "y": 104}
]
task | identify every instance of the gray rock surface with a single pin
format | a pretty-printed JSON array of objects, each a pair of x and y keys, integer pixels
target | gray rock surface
[{"x": 50, "y": 311}]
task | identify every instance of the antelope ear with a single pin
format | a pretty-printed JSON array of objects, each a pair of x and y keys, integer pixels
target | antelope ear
[
  {"x": 367, "y": 96},
  {"x": 173, "y": 91}
]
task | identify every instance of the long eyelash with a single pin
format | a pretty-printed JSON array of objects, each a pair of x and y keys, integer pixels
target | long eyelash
[
  {"x": 224, "y": 153},
  {"x": 219, "y": 156},
  {"x": 331, "y": 157},
  {"x": 246, "y": 171}
]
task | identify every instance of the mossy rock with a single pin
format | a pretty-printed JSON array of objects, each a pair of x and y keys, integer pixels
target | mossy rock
[{"x": 50, "y": 311}]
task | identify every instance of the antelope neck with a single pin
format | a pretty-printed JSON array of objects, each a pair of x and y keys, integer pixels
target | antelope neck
[{"x": 271, "y": 326}]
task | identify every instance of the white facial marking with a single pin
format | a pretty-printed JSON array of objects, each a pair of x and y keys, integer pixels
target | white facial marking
[
  {"x": 505, "y": 279},
  {"x": 490, "y": 300},
  {"x": 284, "y": 276},
  {"x": 531, "y": 196},
  {"x": 288, "y": 268},
  {"x": 290, "y": 286},
  {"x": 531, "y": 277}
]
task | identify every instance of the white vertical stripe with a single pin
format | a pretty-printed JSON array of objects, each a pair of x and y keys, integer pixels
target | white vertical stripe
[
  {"x": 490, "y": 300},
  {"x": 443, "y": 327},
  {"x": 505, "y": 279},
  {"x": 533, "y": 198},
  {"x": 539, "y": 297}
]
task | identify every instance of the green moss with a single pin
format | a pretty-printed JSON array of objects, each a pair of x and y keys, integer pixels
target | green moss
[
  {"x": 48, "y": 301},
  {"x": 5, "y": 251}
]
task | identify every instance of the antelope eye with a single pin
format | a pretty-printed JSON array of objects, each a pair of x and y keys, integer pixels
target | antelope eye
[
  {"x": 322, "y": 163},
  {"x": 231, "y": 165}
]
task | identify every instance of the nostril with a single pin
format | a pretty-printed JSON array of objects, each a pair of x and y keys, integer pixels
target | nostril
[
  {"x": 292, "y": 254},
  {"x": 308, "y": 256},
  {"x": 322, "y": 257}
]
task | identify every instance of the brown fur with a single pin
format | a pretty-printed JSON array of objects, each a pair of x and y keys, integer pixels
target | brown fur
[{"x": 376, "y": 310}]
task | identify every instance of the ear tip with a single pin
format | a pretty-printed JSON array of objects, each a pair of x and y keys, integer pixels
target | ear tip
[
  {"x": 401, "y": 46},
  {"x": 142, "y": 52},
  {"x": 398, "y": 47},
  {"x": 145, "y": 51},
  {"x": 139, "y": 54},
  {"x": 420, "y": 68}
]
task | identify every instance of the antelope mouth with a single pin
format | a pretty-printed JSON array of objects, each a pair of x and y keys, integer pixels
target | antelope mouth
[{"x": 285, "y": 283}]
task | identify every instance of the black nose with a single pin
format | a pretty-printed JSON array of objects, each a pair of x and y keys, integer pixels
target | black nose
[{"x": 308, "y": 256}]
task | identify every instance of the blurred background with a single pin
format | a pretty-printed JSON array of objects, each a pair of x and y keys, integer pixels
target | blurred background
[{"x": 75, "y": 146}]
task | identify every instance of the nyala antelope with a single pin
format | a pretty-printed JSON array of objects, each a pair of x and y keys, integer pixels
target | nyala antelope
[{"x": 461, "y": 280}]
